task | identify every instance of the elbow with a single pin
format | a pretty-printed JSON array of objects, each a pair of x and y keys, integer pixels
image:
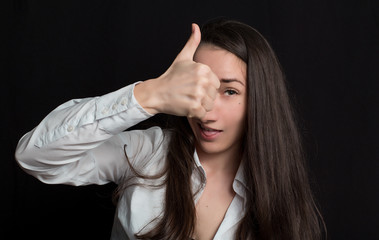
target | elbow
[
  {"x": 39, "y": 163},
  {"x": 23, "y": 154},
  {"x": 24, "y": 159},
  {"x": 32, "y": 165},
  {"x": 28, "y": 158}
]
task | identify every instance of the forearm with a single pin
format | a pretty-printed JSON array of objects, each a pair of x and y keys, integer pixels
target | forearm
[{"x": 62, "y": 141}]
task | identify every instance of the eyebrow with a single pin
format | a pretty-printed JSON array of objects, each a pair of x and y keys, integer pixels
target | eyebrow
[{"x": 229, "y": 80}]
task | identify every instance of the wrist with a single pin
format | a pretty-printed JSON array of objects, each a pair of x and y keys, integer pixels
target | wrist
[{"x": 146, "y": 96}]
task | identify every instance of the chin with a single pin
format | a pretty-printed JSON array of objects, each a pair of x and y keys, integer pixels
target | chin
[{"x": 209, "y": 148}]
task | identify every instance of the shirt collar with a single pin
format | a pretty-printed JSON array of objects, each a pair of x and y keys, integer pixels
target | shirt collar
[
  {"x": 239, "y": 184},
  {"x": 197, "y": 160}
]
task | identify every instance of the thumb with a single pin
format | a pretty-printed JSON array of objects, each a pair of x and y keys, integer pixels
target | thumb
[{"x": 190, "y": 48}]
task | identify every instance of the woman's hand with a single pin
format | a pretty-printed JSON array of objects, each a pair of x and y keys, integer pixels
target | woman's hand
[{"x": 187, "y": 88}]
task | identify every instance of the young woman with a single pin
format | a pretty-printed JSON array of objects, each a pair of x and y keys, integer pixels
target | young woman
[{"x": 229, "y": 165}]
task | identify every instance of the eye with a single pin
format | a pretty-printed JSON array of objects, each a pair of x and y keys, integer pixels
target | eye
[{"x": 230, "y": 92}]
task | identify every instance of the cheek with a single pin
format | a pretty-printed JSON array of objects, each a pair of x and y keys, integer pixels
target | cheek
[
  {"x": 235, "y": 114},
  {"x": 241, "y": 114}
]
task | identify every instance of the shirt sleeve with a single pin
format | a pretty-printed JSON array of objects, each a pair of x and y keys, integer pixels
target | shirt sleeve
[{"x": 83, "y": 141}]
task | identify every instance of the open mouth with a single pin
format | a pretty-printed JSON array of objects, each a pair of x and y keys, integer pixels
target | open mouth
[{"x": 208, "y": 133}]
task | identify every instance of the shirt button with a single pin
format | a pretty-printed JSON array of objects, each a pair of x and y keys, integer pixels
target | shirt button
[
  {"x": 70, "y": 128},
  {"x": 105, "y": 111},
  {"x": 114, "y": 106},
  {"x": 123, "y": 102}
]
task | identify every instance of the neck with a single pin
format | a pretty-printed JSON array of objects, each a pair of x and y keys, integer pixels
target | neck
[{"x": 226, "y": 162}]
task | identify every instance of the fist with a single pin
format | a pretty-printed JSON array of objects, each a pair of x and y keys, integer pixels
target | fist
[{"x": 187, "y": 88}]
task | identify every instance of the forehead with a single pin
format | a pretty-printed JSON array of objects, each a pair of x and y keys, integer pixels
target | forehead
[{"x": 224, "y": 64}]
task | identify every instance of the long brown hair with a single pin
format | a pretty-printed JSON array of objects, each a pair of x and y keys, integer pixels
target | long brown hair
[{"x": 279, "y": 200}]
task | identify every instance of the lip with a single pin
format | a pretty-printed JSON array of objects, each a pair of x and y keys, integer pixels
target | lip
[{"x": 207, "y": 133}]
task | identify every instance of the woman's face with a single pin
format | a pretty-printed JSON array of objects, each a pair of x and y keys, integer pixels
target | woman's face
[{"x": 221, "y": 130}]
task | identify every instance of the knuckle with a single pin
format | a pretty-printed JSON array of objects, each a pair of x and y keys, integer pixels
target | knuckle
[
  {"x": 202, "y": 69},
  {"x": 195, "y": 110},
  {"x": 208, "y": 107},
  {"x": 194, "y": 106},
  {"x": 199, "y": 92},
  {"x": 202, "y": 114},
  {"x": 215, "y": 81}
]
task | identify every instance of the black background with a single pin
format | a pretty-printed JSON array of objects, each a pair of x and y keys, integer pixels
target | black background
[{"x": 54, "y": 51}]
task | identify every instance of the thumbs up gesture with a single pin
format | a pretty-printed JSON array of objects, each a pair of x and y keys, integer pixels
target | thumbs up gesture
[{"x": 187, "y": 88}]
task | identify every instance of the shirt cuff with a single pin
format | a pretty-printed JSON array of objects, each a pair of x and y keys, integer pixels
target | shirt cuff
[{"x": 119, "y": 110}]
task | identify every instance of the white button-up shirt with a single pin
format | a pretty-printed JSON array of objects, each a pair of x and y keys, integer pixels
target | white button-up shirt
[{"x": 84, "y": 141}]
